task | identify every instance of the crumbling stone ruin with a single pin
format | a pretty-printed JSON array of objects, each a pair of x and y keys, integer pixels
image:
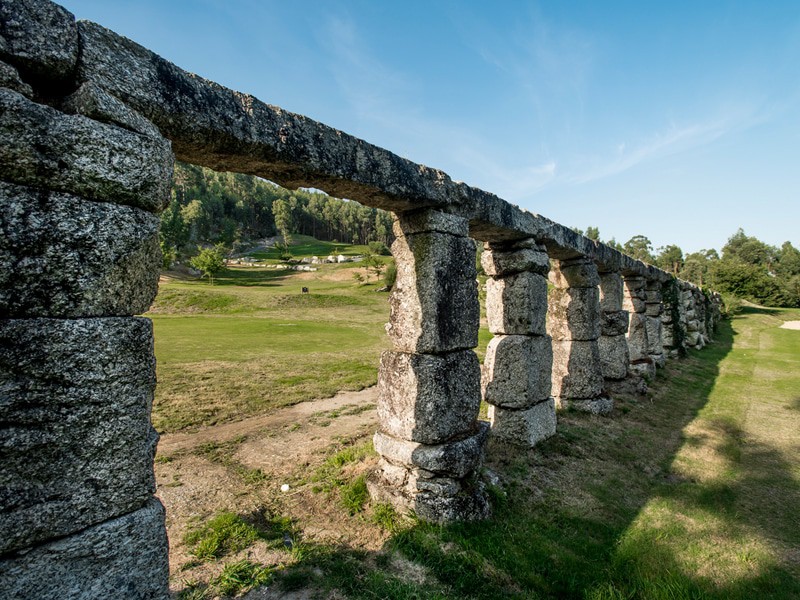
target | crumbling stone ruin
[{"x": 90, "y": 123}]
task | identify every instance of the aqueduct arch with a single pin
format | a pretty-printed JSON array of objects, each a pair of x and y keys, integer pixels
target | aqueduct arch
[{"x": 90, "y": 123}]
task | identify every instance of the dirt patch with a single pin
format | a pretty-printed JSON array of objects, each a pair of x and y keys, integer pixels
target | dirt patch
[
  {"x": 241, "y": 467},
  {"x": 791, "y": 325}
]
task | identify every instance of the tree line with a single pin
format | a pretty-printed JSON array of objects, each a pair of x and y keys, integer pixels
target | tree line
[
  {"x": 208, "y": 207},
  {"x": 747, "y": 268}
]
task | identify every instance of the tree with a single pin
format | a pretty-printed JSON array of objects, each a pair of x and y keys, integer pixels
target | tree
[
  {"x": 670, "y": 258},
  {"x": 209, "y": 261},
  {"x": 283, "y": 219},
  {"x": 640, "y": 248},
  {"x": 593, "y": 233}
]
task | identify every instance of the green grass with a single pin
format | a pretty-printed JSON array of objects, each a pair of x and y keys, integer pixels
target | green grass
[
  {"x": 302, "y": 246},
  {"x": 226, "y": 533},
  {"x": 253, "y": 342},
  {"x": 690, "y": 493}
]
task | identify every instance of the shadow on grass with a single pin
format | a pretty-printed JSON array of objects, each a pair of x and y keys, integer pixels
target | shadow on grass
[{"x": 563, "y": 527}]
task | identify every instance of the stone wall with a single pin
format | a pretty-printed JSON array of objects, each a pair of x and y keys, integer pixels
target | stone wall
[{"x": 89, "y": 122}]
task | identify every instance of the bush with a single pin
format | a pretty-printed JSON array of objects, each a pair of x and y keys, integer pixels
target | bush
[
  {"x": 390, "y": 274},
  {"x": 379, "y": 248}
]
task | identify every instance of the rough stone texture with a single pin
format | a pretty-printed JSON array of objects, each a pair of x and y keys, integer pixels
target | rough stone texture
[
  {"x": 39, "y": 37},
  {"x": 434, "y": 303},
  {"x": 654, "y": 310},
  {"x": 9, "y": 78},
  {"x": 595, "y": 406},
  {"x": 577, "y": 273},
  {"x": 614, "y": 323},
  {"x": 429, "y": 221},
  {"x": 61, "y": 256},
  {"x": 92, "y": 101},
  {"x": 524, "y": 427},
  {"x": 574, "y": 314},
  {"x": 638, "y": 344},
  {"x": 654, "y": 341},
  {"x": 614, "y": 356},
  {"x": 42, "y": 147},
  {"x": 428, "y": 398},
  {"x": 634, "y": 304},
  {"x": 576, "y": 370},
  {"x": 453, "y": 459},
  {"x": 645, "y": 368},
  {"x": 517, "y": 304},
  {"x": 611, "y": 291},
  {"x": 517, "y": 370},
  {"x": 432, "y": 498},
  {"x": 497, "y": 263},
  {"x": 76, "y": 447},
  {"x": 123, "y": 558}
]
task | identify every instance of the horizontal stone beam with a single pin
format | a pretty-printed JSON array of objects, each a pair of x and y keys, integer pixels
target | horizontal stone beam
[{"x": 226, "y": 130}]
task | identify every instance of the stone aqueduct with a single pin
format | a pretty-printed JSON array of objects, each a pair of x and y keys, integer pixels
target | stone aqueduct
[{"x": 90, "y": 123}]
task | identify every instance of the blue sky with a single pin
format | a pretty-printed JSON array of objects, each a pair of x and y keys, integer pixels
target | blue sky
[{"x": 676, "y": 120}]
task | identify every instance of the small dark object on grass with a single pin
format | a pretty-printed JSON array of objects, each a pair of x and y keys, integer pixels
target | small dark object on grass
[
  {"x": 305, "y": 290},
  {"x": 287, "y": 541}
]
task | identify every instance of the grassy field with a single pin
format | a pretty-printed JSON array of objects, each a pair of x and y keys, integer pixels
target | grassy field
[
  {"x": 253, "y": 341},
  {"x": 689, "y": 493}
]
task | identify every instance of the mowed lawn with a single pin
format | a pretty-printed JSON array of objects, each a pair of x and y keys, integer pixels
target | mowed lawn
[
  {"x": 692, "y": 492},
  {"x": 253, "y": 341}
]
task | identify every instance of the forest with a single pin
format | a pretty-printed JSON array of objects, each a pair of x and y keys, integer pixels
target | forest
[{"x": 235, "y": 210}]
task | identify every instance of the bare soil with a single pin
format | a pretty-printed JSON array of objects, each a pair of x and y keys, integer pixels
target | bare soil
[
  {"x": 791, "y": 325},
  {"x": 240, "y": 467}
]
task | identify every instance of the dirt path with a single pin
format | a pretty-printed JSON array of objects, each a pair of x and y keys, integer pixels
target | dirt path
[
  {"x": 240, "y": 467},
  {"x": 791, "y": 325},
  {"x": 344, "y": 403}
]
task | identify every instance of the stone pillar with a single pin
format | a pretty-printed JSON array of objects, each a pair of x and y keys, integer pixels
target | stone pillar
[
  {"x": 635, "y": 302},
  {"x": 573, "y": 321},
  {"x": 672, "y": 330},
  {"x": 614, "y": 355},
  {"x": 519, "y": 359},
  {"x": 79, "y": 188},
  {"x": 430, "y": 440},
  {"x": 654, "y": 308},
  {"x": 694, "y": 316}
]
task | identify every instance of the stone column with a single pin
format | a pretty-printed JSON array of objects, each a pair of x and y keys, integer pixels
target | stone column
[
  {"x": 573, "y": 321},
  {"x": 79, "y": 256},
  {"x": 694, "y": 317},
  {"x": 672, "y": 330},
  {"x": 429, "y": 395},
  {"x": 519, "y": 359},
  {"x": 614, "y": 355},
  {"x": 634, "y": 301},
  {"x": 654, "y": 307}
]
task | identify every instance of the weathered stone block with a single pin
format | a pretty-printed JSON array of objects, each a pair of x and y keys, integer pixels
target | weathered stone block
[
  {"x": 469, "y": 504},
  {"x": 497, "y": 263},
  {"x": 452, "y": 459},
  {"x": 577, "y": 370},
  {"x": 427, "y": 398},
  {"x": 93, "y": 102},
  {"x": 430, "y": 221},
  {"x": 517, "y": 304},
  {"x": 694, "y": 339},
  {"x": 644, "y": 368},
  {"x": 39, "y": 37},
  {"x": 633, "y": 285},
  {"x": 634, "y": 305},
  {"x": 614, "y": 323},
  {"x": 61, "y": 256},
  {"x": 433, "y": 499},
  {"x": 573, "y": 314},
  {"x": 654, "y": 341},
  {"x": 653, "y": 310},
  {"x": 637, "y": 337},
  {"x": 42, "y": 147},
  {"x": 594, "y": 406},
  {"x": 614, "y": 356},
  {"x": 517, "y": 370},
  {"x": 611, "y": 291},
  {"x": 77, "y": 446},
  {"x": 524, "y": 427},
  {"x": 434, "y": 303},
  {"x": 125, "y": 557},
  {"x": 577, "y": 273},
  {"x": 668, "y": 336},
  {"x": 653, "y": 296},
  {"x": 9, "y": 78}
]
